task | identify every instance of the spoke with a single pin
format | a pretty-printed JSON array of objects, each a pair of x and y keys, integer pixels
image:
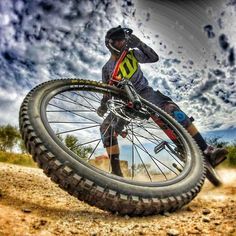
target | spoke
[
  {"x": 141, "y": 125},
  {"x": 74, "y": 102},
  {"x": 150, "y": 157},
  {"x": 85, "y": 99},
  {"x": 152, "y": 125},
  {"x": 69, "y": 122},
  {"x": 70, "y": 110},
  {"x": 73, "y": 130},
  {"x": 101, "y": 139},
  {"x": 155, "y": 127},
  {"x": 111, "y": 135},
  {"x": 109, "y": 125},
  {"x": 134, "y": 145},
  {"x": 132, "y": 154},
  {"x": 95, "y": 96},
  {"x": 95, "y": 149},
  {"x": 149, "y": 139},
  {"x": 155, "y": 136},
  {"x": 89, "y": 102},
  {"x": 74, "y": 113},
  {"x": 154, "y": 158},
  {"x": 97, "y": 139},
  {"x": 82, "y": 144},
  {"x": 83, "y": 96},
  {"x": 176, "y": 159}
]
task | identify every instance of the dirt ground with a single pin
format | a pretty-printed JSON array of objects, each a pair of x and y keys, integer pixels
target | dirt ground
[{"x": 30, "y": 204}]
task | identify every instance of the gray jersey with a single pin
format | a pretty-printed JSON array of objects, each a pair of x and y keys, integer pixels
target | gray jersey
[{"x": 130, "y": 68}]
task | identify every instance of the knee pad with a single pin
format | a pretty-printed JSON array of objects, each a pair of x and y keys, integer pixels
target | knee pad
[
  {"x": 173, "y": 110},
  {"x": 179, "y": 116}
]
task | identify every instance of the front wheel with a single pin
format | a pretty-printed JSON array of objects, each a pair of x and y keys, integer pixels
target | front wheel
[{"x": 61, "y": 130}]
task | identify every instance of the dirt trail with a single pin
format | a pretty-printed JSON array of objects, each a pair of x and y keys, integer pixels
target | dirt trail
[{"x": 30, "y": 204}]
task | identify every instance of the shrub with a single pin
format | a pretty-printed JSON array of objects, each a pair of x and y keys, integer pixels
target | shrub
[{"x": 17, "y": 158}]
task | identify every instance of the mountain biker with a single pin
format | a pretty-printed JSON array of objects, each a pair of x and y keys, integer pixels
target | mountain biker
[{"x": 115, "y": 40}]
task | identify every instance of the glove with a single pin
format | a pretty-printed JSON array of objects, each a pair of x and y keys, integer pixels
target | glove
[
  {"x": 134, "y": 41},
  {"x": 101, "y": 110}
]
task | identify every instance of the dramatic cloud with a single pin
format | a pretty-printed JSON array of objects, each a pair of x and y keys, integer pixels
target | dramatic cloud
[{"x": 43, "y": 40}]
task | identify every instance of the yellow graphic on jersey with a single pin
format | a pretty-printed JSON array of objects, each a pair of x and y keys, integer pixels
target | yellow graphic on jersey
[{"x": 128, "y": 66}]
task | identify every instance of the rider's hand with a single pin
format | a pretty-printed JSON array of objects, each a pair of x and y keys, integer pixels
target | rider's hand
[
  {"x": 101, "y": 110},
  {"x": 134, "y": 41}
]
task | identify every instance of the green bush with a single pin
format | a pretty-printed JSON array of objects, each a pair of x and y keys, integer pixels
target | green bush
[
  {"x": 16, "y": 158},
  {"x": 232, "y": 155},
  {"x": 230, "y": 146}
]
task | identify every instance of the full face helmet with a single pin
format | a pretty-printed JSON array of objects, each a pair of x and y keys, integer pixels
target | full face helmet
[{"x": 117, "y": 34}]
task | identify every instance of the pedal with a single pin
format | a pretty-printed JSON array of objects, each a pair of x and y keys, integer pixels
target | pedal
[
  {"x": 160, "y": 147},
  {"x": 164, "y": 145}
]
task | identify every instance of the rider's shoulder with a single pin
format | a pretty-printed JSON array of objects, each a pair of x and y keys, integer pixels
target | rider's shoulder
[{"x": 107, "y": 65}]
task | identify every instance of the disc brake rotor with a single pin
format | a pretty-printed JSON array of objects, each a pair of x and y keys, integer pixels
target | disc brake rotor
[{"x": 120, "y": 109}]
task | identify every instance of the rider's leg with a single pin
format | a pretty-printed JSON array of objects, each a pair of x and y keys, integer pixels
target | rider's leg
[
  {"x": 215, "y": 155},
  {"x": 173, "y": 109},
  {"x": 114, "y": 153},
  {"x": 110, "y": 142}
]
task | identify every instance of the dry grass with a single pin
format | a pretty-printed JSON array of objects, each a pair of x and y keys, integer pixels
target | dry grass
[{"x": 17, "y": 158}]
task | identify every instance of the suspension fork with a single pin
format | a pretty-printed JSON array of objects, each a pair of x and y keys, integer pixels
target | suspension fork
[{"x": 134, "y": 99}]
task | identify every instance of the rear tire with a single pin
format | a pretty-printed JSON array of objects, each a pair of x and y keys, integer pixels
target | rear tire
[{"x": 103, "y": 190}]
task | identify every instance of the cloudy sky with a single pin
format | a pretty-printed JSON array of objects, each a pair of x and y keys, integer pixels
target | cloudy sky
[{"x": 42, "y": 40}]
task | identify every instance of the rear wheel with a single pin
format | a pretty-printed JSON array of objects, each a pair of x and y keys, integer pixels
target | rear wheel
[
  {"x": 61, "y": 129},
  {"x": 212, "y": 175}
]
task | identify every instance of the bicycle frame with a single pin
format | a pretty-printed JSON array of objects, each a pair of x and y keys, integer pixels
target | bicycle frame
[{"x": 114, "y": 77}]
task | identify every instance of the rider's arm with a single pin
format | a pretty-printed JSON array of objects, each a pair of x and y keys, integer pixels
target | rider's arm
[
  {"x": 105, "y": 79},
  {"x": 105, "y": 75},
  {"x": 145, "y": 54}
]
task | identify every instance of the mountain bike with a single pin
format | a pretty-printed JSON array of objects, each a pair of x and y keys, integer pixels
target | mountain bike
[{"x": 163, "y": 168}]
